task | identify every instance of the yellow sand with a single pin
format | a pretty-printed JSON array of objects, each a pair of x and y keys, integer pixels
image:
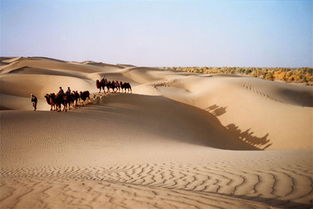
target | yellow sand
[{"x": 181, "y": 140}]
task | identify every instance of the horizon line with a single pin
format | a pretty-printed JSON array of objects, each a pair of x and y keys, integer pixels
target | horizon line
[{"x": 160, "y": 66}]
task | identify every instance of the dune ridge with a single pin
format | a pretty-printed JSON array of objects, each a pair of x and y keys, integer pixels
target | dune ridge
[{"x": 181, "y": 140}]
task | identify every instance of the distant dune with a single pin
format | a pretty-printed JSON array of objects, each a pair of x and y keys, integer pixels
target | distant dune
[{"x": 181, "y": 140}]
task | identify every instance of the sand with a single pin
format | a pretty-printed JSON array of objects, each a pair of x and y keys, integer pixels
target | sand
[{"x": 181, "y": 140}]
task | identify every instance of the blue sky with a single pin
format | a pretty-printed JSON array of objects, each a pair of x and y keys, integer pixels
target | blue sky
[{"x": 260, "y": 33}]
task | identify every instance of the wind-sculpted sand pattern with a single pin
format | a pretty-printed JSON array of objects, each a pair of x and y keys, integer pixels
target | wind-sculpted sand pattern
[
  {"x": 289, "y": 94},
  {"x": 165, "y": 185}
]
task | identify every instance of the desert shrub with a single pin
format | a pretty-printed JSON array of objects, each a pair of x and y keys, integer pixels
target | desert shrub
[{"x": 301, "y": 75}]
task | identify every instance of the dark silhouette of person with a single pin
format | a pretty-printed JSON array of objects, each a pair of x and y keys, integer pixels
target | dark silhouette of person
[
  {"x": 61, "y": 92},
  {"x": 34, "y": 100},
  {"x": 68, "y": 92}
]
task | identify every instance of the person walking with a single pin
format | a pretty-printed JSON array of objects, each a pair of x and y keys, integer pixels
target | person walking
[{"x": 34, "y": 100}]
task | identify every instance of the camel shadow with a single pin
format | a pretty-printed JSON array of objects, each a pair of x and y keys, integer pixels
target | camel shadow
[
  {"x": 246, "y": 136},
  {"x": 177, "y": 121},
  {"x": 216, "y": 110}
]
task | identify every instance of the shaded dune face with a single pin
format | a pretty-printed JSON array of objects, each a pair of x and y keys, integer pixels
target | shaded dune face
[
  {"x": 130, "y": 120},
  {"x": 176, "y": 121}
]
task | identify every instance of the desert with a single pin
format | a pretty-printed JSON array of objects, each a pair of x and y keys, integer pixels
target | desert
[{"x": 178, "y": 140}]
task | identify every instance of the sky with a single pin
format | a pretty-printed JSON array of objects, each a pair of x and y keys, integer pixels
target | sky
[{"x": 241, "y": 33}]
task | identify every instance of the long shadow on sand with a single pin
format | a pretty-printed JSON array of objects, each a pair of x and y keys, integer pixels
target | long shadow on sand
[
  {"x": 246, "y": 135},
  {"x": 177, "y": 121}
]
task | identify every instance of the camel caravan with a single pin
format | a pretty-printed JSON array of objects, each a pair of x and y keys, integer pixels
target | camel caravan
[
  {"x": 115, "y": 86},
  {"x": 69, "y": 99},
  {"x": 72, "y": 99}
]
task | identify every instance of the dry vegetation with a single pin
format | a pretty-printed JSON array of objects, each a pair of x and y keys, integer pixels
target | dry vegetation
[{"x": 295, "y": 75}]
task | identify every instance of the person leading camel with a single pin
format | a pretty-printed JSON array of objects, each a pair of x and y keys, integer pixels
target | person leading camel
[{"x": 34, "y": 100}]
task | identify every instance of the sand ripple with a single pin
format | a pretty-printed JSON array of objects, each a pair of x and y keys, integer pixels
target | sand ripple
[{"x": 158, "y": 185}]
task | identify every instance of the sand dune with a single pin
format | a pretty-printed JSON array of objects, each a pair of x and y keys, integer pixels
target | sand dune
[
  {"x": 181, "y": 140},
  {"x": 48, "y": 64},
  {"x": 101, "y": 64},
  {"x": 40, "y": 71},
  {"x": 266, "y": 111}
]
